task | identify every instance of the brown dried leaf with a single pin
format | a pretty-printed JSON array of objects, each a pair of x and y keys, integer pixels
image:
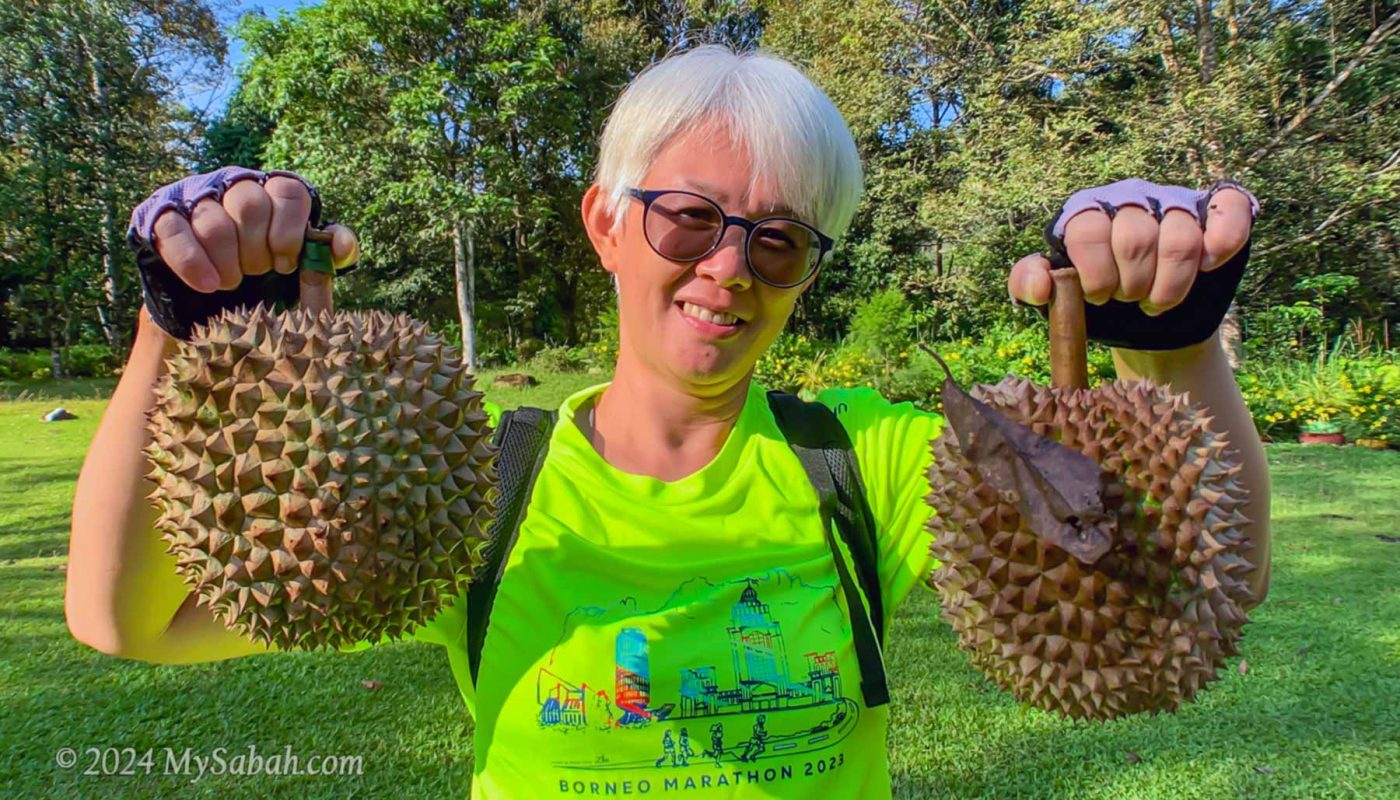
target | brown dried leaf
[
  {"x": 1058, "y": 489},
  {"x": 373, "y": 686}
]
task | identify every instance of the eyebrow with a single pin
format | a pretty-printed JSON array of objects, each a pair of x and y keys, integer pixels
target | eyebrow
[{"x": 704, "y": 188}]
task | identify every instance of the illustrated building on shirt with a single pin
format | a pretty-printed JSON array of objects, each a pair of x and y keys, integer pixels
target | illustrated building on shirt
[
  {"x": 756, "y": 644},
  {"x": 565, "y": 703},
  {"x": 758, "y": 657},
  {"x": 633, "y": 693},
  {"x": 758, "y": 653}
]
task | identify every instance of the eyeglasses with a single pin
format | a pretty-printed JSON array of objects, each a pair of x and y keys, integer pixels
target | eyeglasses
[{"x": 683, "y": 226}]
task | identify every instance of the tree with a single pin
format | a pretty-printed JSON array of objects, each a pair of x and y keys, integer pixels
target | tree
[
  {"x": 86, "y": 121},
  {"x": 996, "y": 112}
]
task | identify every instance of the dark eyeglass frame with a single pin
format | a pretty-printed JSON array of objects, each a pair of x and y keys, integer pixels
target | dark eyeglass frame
[{"x": 649, "y": 196}]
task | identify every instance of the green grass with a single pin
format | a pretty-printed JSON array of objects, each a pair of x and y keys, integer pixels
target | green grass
[{"x": 1315, "y": 715}]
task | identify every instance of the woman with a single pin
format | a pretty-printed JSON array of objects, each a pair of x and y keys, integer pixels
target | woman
[{"x": 671, "y": 574}]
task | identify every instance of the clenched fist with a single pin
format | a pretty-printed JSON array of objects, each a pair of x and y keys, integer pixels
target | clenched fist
[
  {"x": 1140, "y": 249},
  {"x": 213, "y": 232}
]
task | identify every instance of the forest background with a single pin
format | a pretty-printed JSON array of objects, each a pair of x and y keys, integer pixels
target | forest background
[{"x": 457, "y": 138}]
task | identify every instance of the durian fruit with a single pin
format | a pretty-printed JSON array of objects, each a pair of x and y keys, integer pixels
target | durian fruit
[
  {"x": 1140, "y": 622},
  {"x": 322, "y": 479}
]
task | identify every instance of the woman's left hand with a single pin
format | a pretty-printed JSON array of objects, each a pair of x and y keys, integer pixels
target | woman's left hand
[{"x": 1137, "y": 242}]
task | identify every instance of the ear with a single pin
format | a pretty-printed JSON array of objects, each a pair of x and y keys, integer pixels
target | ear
[{"x": 598, "y": 221}]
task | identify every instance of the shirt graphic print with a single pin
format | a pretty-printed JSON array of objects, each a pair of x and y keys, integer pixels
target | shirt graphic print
[{"x": 741, "y": 693}]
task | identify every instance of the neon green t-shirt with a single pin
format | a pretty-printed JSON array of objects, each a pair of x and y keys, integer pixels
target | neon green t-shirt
[{"x": 690, "y": 638}]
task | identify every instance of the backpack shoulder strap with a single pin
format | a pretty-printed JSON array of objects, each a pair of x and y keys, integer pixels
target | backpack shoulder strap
[
  {"x": 523, "y": 439},
  {"x": 821, "y": 443}
]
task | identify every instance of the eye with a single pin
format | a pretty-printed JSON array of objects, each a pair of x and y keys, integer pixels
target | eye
[
  {"x": 774, "y": 238},
  {"x": 687, "y": 214}
]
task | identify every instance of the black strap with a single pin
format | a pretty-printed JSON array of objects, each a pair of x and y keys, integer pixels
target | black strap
[
  {"x": 523, "y": 439},
  {"x": 821, "y": 443}
]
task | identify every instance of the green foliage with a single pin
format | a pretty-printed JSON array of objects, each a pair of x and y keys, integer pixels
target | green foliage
[
  {"x": 787, "y": 360},
  {"x": 1355, "y": 392},
  {"x": 602, "y": 353},
  {"x": 90, "y": 122},
  {"x": 797, "y": 363},
  {"x": 1321, "y": 426},
  {"x": 976, "y": 121},
  {"x": 560, "y": 358},
  {"x": 79, "y": 361},
  {"x": 462, "y": 167},
  {"x": 882, "y": 325},
  {"x": 238, "y": 138}
]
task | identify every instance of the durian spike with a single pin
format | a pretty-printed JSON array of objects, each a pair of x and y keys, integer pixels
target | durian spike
[{"x": 1069, "y": 363}]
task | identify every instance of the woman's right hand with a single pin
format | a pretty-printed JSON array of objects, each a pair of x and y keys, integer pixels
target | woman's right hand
[{"x": 215, "y": 228}]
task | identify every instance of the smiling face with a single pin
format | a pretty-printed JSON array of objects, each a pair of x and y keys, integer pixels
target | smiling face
[{"x": 701, "y": 325}]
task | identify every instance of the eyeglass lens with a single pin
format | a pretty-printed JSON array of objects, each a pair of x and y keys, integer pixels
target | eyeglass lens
[{"x": 685, "y": 227}]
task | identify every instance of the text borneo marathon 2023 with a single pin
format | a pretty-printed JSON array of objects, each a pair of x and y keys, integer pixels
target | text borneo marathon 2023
[{"x": 716, "y": 780}]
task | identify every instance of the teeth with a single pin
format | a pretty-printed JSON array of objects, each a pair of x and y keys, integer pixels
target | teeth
[{"x": 706, "y": 315}]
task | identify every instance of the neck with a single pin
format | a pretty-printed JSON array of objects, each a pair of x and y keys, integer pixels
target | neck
[{"x": 649, "y": 427}]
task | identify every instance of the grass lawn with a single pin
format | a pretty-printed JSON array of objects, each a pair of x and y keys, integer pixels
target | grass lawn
[{"x": 1315, "y": 715}]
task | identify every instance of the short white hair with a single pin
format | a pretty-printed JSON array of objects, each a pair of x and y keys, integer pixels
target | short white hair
[{"x": 790, "y": 128}]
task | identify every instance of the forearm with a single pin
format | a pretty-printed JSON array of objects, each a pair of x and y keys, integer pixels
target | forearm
[
  {"x": 122, "y": 587},
  {"x": 1203, "y": 373}
]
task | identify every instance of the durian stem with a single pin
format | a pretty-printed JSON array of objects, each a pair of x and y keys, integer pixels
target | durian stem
[
  {"x": 317, "y": 270},
  {"x": 1069, "y": 363}
]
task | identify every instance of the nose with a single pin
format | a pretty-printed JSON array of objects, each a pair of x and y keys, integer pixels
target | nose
[{"x": 726, "y": 264}]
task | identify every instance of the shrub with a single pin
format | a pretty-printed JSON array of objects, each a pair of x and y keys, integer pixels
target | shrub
[
  {"x": 1360, "y": 394},
  {"x": 561, "y": 359},
  {"x": 882, "y": 325},
  {"x": 79, "y": 361},
  {"x": 1005, "y": 349},
  {"x": 89, "y": 361},
  {"x": 784, "y": 363},
  {"x": 22, "y": 364},
  {"x": 602, "y": 353}
]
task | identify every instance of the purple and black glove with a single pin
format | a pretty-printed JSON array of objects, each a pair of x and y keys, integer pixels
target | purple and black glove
[
  {"x": 1119, "y": 323},
  {"x": 175, "y": 306}
]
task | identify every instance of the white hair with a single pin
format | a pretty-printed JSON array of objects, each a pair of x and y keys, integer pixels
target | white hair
[{"x": 790, "y": 128}]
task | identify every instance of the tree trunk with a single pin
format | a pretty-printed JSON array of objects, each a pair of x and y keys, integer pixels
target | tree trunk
[
  {"x": 108, "y": 310},
  {"x": 1230, "y": 339},
  {"x": 1209, "y": 58},
  {"x": 464, "y": 268}
]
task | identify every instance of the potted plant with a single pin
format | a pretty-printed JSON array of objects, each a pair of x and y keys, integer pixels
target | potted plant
[{"x": 1321, "y": 431}]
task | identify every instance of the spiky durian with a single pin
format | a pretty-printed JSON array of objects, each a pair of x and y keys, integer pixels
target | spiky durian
[
  {"x": 322, "y": 479},
  {"x": 1148, "y": 623}
]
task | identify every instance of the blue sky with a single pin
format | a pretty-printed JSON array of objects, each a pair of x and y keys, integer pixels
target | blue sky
[{"x": 214, "y": 99}]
